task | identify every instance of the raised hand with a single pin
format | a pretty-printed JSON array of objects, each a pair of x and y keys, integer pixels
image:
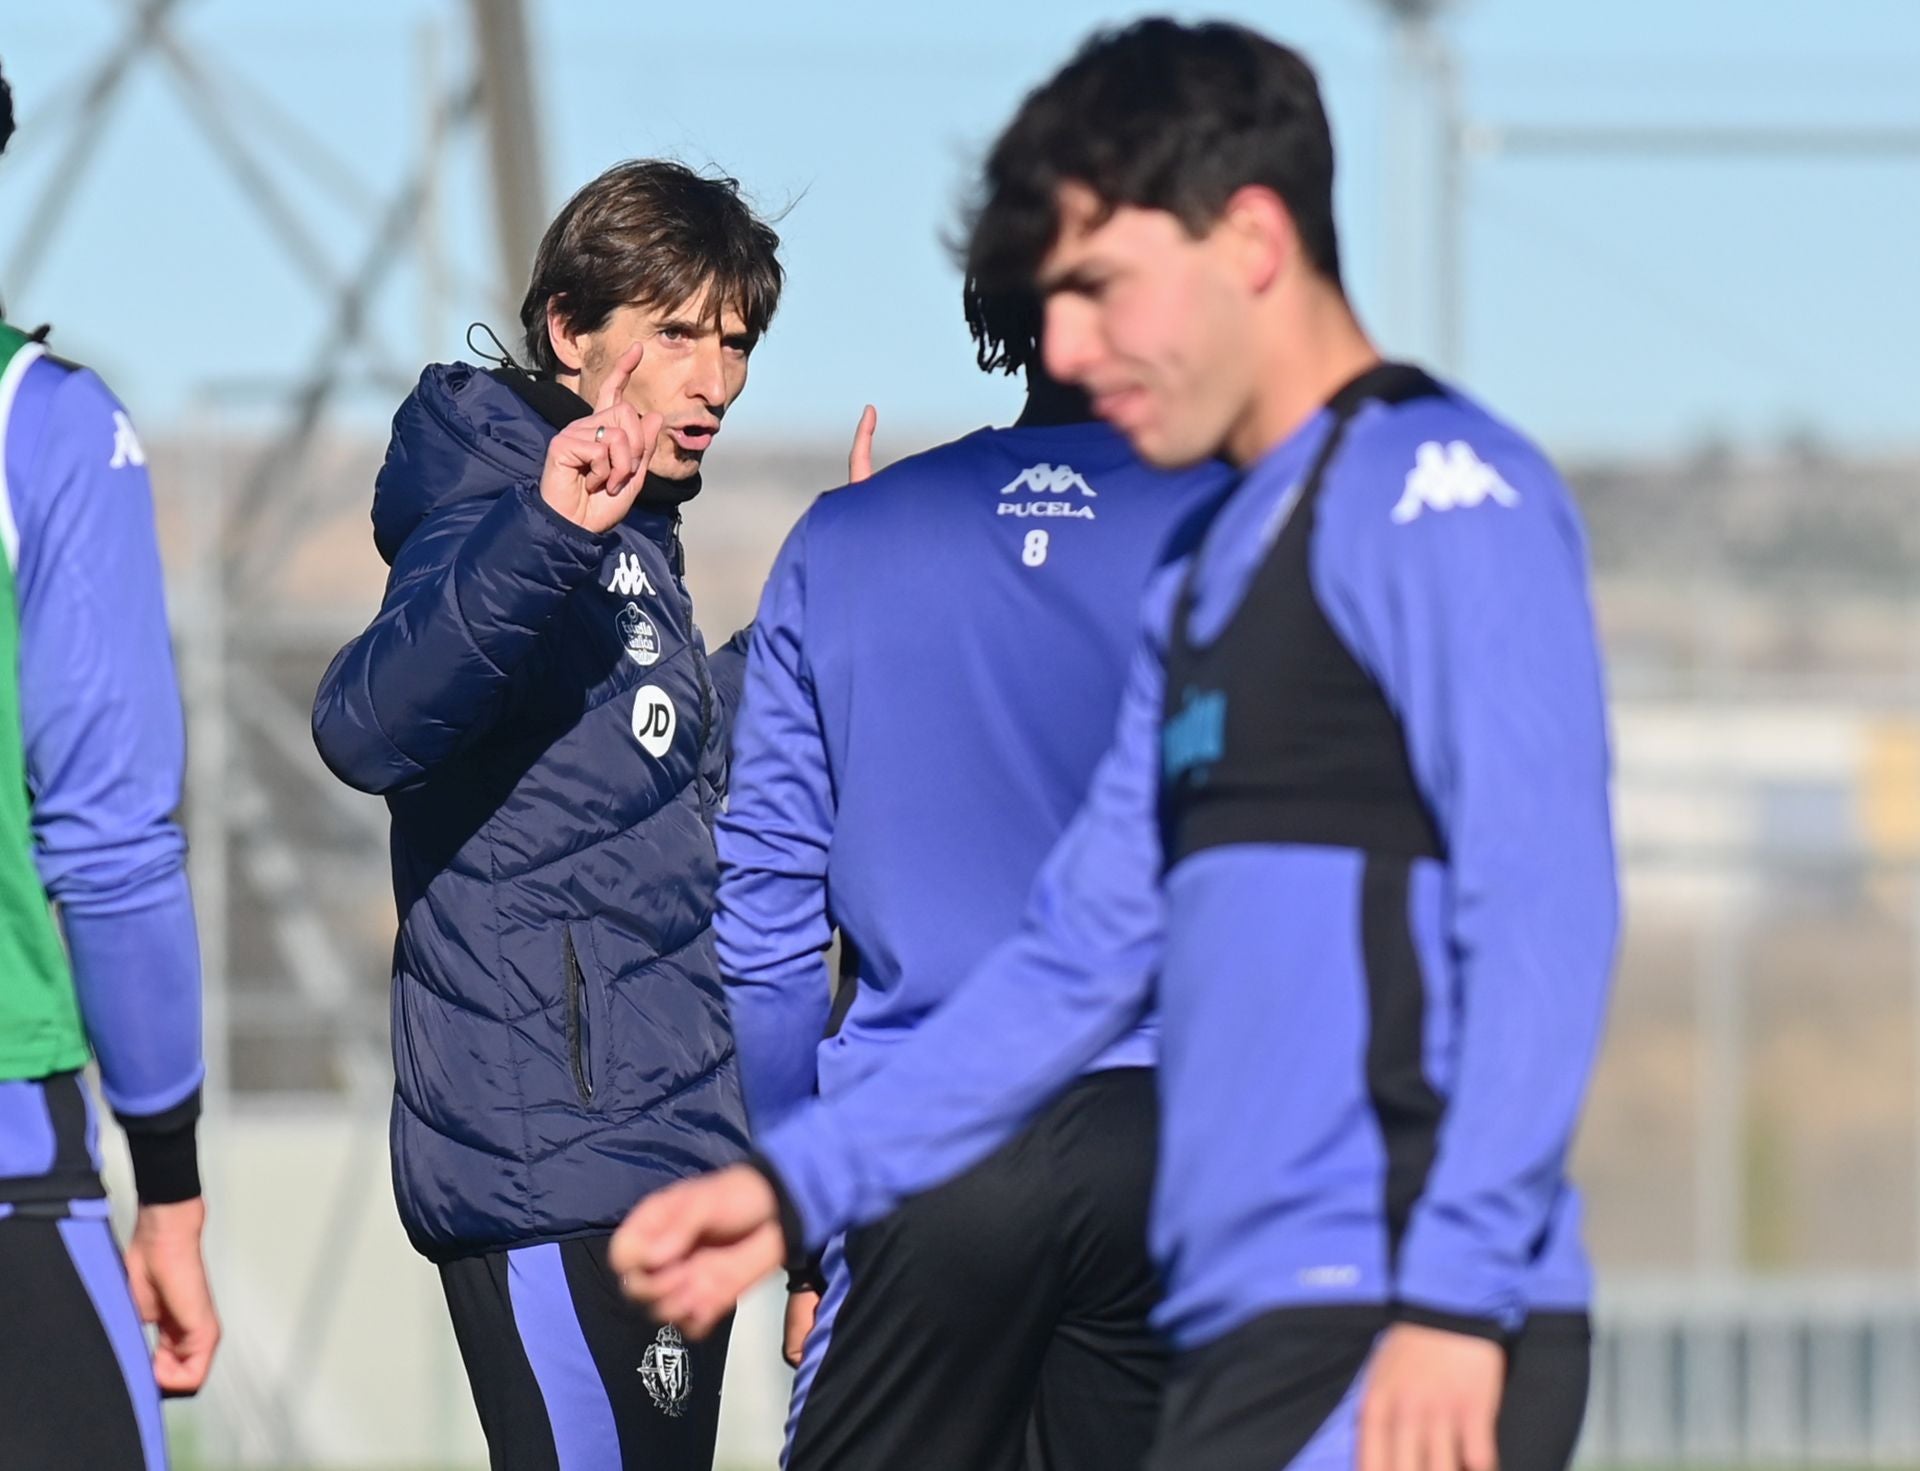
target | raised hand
[
  {"x": 860, "y": 457},
  {"x": 596, "y": 466}
]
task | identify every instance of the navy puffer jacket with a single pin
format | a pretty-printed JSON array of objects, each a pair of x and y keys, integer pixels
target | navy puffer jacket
[{"x": 538, "y": 709}]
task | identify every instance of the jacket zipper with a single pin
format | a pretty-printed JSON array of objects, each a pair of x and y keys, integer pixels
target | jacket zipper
[
  {"x": 677, "y": 556},
  {"x": 706, "y": 719},
  {"x": 579, "y": 1032},
  {"x": 677, "y": 564}
]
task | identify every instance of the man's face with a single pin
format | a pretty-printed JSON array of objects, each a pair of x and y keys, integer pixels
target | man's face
[
  {"x": 692, "y": 368},
  {"x": 1155, "y": 325}
]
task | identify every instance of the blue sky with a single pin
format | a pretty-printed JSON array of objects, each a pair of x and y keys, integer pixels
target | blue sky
[{"x": 1621, "y": 304}]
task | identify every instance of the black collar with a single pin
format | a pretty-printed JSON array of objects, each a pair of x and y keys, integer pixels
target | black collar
[
  {"x": 547, "y": 397},
  {"x": 560, "y": 406}
]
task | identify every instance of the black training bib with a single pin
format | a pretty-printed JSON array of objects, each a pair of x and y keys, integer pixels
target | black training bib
[{"x": 1272, "y": 732}]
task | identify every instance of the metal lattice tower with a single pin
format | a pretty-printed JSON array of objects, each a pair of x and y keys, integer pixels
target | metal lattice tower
[
  {"x": 280, "y": 167},
  {"x": 280, "y": 848}
]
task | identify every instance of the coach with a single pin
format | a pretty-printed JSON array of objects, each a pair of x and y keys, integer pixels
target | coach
[{"x": 537, "y": 707}]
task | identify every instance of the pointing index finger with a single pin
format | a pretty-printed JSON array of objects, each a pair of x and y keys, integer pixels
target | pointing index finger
[
  {"x": 615, "y": 388},
  {"x": 860, "y": 457}
]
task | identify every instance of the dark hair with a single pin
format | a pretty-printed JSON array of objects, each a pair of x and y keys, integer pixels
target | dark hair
[
  {"x": 1006, "y": 326},
  {"x": 650, "y": 233},
  {"x": 6, "y": 113},
  {"x": 1161, "y": 116}
]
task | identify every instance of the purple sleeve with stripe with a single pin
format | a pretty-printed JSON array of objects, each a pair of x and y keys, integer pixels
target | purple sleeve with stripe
[
  {"x": 103, "y": 733},
  {"x": 1473, "y": 613}
]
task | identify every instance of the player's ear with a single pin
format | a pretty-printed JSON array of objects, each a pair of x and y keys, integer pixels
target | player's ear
[
  {"x": 1256, "y": 229},
  {"x": 569, "y": 350}
]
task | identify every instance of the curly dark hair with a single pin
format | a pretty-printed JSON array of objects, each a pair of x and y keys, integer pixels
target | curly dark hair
[
  {"x": 1006, "y": 326},
  {"x": 653, "y": 233},
  {"x": 6, "y": 113},
  {"x": 1162, "y": 116}
]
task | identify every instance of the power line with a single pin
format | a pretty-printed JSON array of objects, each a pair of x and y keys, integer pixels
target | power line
[{"x": 1837, "y": 144}]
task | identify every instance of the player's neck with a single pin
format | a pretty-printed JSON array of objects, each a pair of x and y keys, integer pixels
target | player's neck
[
  {"x": 1049, "y": 402},
  {"x": 1311, "y": 352}
]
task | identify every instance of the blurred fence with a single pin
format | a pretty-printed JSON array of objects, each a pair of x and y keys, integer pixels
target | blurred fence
[{"x": 1746, "y": 1373}]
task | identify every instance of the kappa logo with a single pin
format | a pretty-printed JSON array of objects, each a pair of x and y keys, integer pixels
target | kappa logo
[
  {"x": 654, "y": 720},
  {"x": 639, "y": 635},
  {"x": 1450, "y": 477},
  {"x": 126, "y": 444},
  {"x": 1045, "y": 479},
  {"x": 1058, "y": 479},
  {"x": 630, "y": 578},
  {"x": 666, "y": 1368}
]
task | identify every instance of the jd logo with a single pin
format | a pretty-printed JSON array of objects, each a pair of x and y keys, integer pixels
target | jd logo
[{"x": 654, "y": 720}]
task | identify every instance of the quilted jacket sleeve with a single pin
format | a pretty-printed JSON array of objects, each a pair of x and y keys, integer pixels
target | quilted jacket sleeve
[{"x": 471, "y": 593}]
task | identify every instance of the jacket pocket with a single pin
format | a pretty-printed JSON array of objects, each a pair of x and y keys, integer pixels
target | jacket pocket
[{"x": 579, "y": 1018}]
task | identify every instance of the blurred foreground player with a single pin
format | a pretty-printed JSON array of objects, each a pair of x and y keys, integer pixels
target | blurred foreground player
[
  {"x": 1355, "y": 818},
  {"x": 934, "y": 672},
  {"x": 92, "y": 747}
]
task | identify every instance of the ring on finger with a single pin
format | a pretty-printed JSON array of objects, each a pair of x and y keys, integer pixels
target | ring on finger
[{"x": 600, "y": 434}]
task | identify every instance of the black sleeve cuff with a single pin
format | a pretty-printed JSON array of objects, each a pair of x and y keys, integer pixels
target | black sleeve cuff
[
  {"x": 166, "y": 1152},
  {"x": 790, "y": 1228},
  {"x": 1488, "y": 1328},
  {"x": 810, "y": 1278}
]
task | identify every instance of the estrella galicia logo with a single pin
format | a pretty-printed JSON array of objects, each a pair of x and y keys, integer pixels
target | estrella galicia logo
[
  {"x": 639, "y": 635},
  {"x": 1192, "y": 740}
]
